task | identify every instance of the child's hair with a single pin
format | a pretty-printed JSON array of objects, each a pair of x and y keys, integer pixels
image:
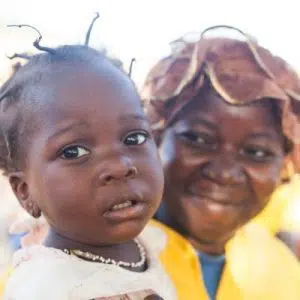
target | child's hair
[{"x": 17, "y": 93}]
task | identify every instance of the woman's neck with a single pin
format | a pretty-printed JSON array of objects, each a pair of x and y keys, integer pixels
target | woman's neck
[
  {"x": 211, "y": 248},
  {"x": 208, "y": 247}
]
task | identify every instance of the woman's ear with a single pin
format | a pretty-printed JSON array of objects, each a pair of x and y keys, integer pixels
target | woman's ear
[{"x": 20, "y": 188}]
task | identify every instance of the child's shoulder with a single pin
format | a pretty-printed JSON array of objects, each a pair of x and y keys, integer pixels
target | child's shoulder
[{"x": 36, "y": 269}]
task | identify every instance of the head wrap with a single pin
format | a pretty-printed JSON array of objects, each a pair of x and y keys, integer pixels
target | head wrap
[{"x": 239, "y": 71}]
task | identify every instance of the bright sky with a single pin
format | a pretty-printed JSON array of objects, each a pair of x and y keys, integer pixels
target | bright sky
[{"x": 142, "y": 29}]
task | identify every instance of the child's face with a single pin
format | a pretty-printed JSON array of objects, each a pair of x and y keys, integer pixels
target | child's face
[
  {"x": 221, "y": 164},
  {"x": 91, "y": 166}
]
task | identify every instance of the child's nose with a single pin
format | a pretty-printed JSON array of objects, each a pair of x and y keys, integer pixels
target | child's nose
[{"x": 118, "y": 171}]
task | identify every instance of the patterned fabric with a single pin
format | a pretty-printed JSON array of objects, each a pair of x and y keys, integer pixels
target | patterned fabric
[{"x": 239, "y": 71}]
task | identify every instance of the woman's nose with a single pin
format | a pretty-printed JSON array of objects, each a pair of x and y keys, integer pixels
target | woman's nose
[{"x": 224, "y": 171}]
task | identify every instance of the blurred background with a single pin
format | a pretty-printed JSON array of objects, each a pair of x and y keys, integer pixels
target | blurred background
[{"x": 142, "y": 29}]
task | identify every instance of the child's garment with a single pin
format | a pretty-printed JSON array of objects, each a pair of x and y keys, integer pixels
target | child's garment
[{"x": 47, "y": 273}]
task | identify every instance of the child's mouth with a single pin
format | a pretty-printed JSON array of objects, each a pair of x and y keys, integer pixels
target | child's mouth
[
  {"x": 123, "y": 205},
  {"x": 127, "y": 210}
]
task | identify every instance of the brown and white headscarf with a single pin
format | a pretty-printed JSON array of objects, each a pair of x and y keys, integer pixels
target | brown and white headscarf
[{"x": 240, "y": 71}]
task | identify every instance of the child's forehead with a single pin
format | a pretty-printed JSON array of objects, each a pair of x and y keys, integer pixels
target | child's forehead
[
  {"x": 92, "y": 116},
  {"x": 85, "y": 94},
  {"x": 89, "y": 93},
  {"x": 64, "y": 82}
]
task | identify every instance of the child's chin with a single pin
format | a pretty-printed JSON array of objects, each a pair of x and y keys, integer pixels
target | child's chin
[{"x": 127, "y": 231}]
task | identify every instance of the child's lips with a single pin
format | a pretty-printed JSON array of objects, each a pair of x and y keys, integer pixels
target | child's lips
[{"x": 127, "y": 210}]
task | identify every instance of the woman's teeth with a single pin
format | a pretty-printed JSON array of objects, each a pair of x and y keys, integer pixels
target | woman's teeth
[{"x": 125, "y": 204}]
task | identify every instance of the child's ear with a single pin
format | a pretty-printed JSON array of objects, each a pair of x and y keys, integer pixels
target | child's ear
[{"x": 21, "y": 190}]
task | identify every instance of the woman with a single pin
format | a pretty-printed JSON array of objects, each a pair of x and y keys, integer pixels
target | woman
[{"x": 225, "y": 117}]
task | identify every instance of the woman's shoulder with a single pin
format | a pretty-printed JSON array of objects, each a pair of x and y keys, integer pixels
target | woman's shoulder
[
  {"x": 257, "y": 260},
  {"x": 180, "y": 262},
  {"x": 278, "y": 213},
  {"x": 256, "y": 239},
  {"x": 167, "y": 236}
]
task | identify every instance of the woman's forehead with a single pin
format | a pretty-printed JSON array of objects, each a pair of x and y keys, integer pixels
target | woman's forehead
[{"x": 210, "y": 105}]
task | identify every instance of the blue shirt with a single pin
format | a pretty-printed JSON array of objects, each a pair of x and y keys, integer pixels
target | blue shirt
[
  {"x": 212, "y": 267},
  {"x": 15, "y": 240}
]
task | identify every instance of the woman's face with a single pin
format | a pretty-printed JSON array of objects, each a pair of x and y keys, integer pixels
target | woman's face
[{"x": 221, "y": 164}]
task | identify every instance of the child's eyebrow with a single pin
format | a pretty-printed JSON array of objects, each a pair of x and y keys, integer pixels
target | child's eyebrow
[
  {"x": 127, "y": 117},
  {"x": 67, "y": 127}
]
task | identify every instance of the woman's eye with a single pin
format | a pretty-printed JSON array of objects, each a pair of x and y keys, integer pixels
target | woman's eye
[
  {"x": 193, "y": 137},
  {"x": 257, "y": 154},
  {"x": 73, "y": 152},
  {"x": 198, "y": 139},
  {"x": 136, "y": 138}
]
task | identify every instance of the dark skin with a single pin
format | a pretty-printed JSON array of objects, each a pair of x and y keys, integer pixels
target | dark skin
[
  {"x": 229, "y": 159},
  {"x": 91, "y": 150}
]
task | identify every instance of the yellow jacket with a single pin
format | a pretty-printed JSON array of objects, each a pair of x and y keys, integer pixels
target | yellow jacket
[
  {"x": 283, "y": 211},
  {"x": 3, "y": 280},
  {"x": 258, "y": 266}
]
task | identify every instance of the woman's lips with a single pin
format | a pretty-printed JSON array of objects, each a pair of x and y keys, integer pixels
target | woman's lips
[
  {"x": 219, "y": 201},
  {"x": 213, "y": 211},
  {"x": 217, "y": 196}
]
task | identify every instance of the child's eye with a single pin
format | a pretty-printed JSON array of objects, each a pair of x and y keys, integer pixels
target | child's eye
[
  {"x": 136, "y": 138},
  {"x": 73, "y": 152},
  {"x": 257, "y": 154}
]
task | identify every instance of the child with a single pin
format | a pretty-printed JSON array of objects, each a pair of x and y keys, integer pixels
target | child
[
  {"x": 77, "y": 148},
  {"x": 224, "y": 114}
]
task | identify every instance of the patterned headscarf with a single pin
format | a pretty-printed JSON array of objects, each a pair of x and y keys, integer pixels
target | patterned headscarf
[{"x": 239, "y": 71}]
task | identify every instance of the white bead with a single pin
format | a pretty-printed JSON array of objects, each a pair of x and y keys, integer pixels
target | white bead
[{"x": 93, "y": 257}]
